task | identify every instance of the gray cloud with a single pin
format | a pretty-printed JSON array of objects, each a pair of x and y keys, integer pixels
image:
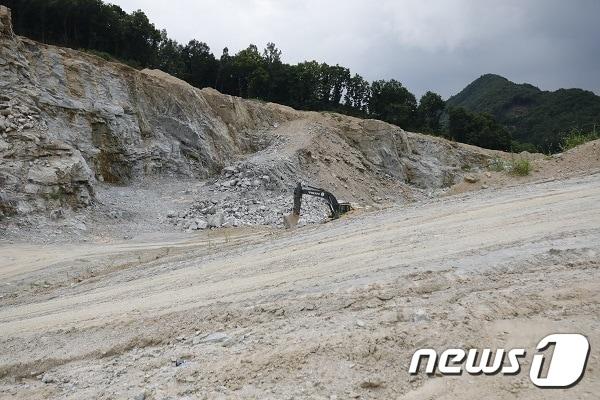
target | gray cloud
[{"x": 438, "y": 45}]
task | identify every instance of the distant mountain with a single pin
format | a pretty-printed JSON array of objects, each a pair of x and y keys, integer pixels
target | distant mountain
[{"x": 531, "y": 115}]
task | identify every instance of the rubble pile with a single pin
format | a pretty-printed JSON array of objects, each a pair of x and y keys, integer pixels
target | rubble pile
[
  {"x": 241, "y": 179},
  {"x": 244, "y": 197},
  {"x": 15, "y": 117},
  {"x": 236, "y": 212}
]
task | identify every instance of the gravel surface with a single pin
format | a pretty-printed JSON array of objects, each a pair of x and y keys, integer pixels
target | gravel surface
[{"x": 325, "y": 311}]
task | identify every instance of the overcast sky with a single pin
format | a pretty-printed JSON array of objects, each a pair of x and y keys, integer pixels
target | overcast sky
[{"x": 438, "y": 45}]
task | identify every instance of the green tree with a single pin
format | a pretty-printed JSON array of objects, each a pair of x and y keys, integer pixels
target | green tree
[
  {"x": 170, "y": 58},
  {"x": 478, "y": 129},
  {"x": 431, "y": 107},
  {"x": 278, "y": 75},
  {"x": 88, "y": 24},
  {"x": 225, "y": 82},
  {"x": 141, "y": 39},
  {"x": 393, "y": 103},
  {"x": 358, "y": 93},
  {"x": 271, "y": 54},
  {"x": 258, "y": 83},
  {"x": 244, "y": 67},
  {"x": 201, "y": 65},
  {"x": 305, "y": 85}
]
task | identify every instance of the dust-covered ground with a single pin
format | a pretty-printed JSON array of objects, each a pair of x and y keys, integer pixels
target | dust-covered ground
[{"x": 326, "y": 311}]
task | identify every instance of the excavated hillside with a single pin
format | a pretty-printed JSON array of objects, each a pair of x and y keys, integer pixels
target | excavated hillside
[{"x": 73, "y": 123}]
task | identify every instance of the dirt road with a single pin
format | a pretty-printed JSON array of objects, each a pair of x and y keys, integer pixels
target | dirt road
[{"x": 328, "y": 311}]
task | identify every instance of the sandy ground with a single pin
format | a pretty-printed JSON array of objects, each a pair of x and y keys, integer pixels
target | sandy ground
[
  {"x": 581, "y": 160},
  {"x": 328, "y": 311}
]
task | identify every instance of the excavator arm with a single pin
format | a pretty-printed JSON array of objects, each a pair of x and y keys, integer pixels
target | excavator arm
[{"x": 336, "y": 208}]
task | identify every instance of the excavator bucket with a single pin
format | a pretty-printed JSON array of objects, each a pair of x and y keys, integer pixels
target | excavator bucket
[{"x": 290, "y": 221}]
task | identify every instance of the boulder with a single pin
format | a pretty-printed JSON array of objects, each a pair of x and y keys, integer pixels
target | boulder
[
  {"x": 216, "y": 220},
  {"x": 201, "y": 223},
  {"x": 228, "y": 171},
  {"x": 471, "y": 178}
]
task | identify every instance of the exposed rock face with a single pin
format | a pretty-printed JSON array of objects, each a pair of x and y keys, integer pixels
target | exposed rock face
[{"x": 69, "y": 120}]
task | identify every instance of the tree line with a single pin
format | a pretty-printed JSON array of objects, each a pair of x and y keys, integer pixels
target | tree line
[{"x": 110, "y": 32}]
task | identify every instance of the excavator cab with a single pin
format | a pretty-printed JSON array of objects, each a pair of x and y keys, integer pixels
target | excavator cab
[{"x": 336, "y": 208}]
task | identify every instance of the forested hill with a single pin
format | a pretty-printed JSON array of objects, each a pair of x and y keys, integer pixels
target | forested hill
[{"x": 528, "y": 113}]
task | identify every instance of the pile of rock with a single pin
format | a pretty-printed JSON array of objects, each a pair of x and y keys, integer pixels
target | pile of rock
[
  {"x": 237, "y": 178},
  {"x": 16, "y": 117},
  {"x": 245, "y": 195},
  {"x": 257, "y": 208}
]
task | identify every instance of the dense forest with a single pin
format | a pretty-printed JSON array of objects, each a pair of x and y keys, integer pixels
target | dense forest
[
  {"x": 109, "y": 32},
  {"x": 537, "y": 119}
]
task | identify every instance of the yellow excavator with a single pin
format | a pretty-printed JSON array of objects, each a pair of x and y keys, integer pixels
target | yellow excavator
[{"x": 335, "y": 207}]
